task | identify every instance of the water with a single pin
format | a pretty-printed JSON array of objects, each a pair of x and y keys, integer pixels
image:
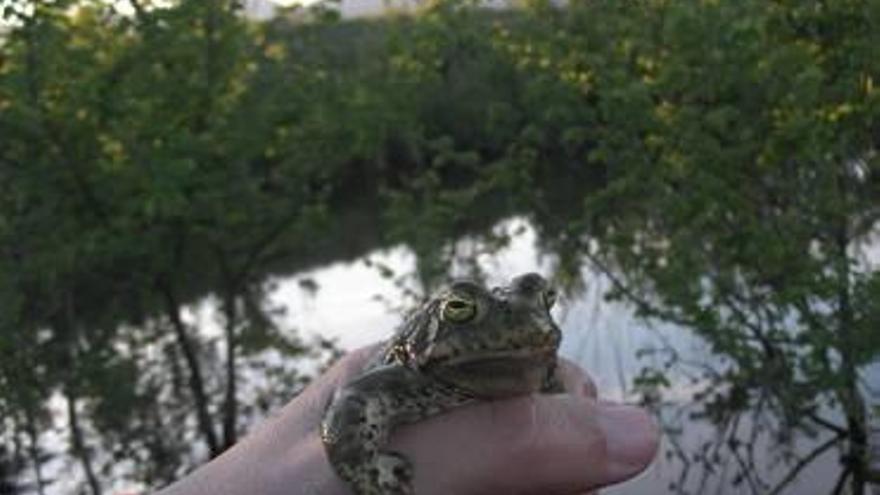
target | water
[{"x": 357, "y": 306}]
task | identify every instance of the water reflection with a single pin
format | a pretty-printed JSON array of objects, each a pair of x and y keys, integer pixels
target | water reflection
[{"x": 357, "y": 305}]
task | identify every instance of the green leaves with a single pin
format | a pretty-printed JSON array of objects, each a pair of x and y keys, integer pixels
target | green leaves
[
  {"x": 734, "y": 137},
  {"x": 718, "y": 157},
  {"x": 135, "y": 152}
]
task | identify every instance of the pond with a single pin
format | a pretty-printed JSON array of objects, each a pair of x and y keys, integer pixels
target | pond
[
  {"x": 359, "y": 302},
  {"x": 353, "y": 303}
]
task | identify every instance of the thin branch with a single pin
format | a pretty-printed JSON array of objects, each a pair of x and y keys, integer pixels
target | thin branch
[
  {"x": 758, "y": 427},
  {"x": 261, "y": 247},
  {"x": 77, "y": 439},
  {"x": 229, "y": 297},
  {"x": 634, "y": 298},
  {"x": 744, "y": 470},
  {"x": 839, "y": 430},
  {"x": 803, "y": 463},
  {"x": 34, "y": 449},
  {"x": 841, "y": 481}
]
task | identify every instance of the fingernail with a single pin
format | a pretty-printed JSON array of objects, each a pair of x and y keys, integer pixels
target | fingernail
[{"x": 631, "y": 437}]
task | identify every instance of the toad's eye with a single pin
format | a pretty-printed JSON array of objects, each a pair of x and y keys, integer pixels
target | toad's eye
[{"x": 459, "y": 310}]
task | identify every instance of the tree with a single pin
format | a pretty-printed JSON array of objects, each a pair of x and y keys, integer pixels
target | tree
[
  {"x": 133, "y": 184},
  {"x": 739, "y": 145}
]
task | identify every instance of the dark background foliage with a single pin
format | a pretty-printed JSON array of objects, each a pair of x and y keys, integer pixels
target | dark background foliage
[{"x": 716, "y": 160}]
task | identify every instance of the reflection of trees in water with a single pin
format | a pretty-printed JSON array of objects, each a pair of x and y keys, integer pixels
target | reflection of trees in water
[
  {"x": 764, "y": 399},
  {"x": 751, "y": 430},
  {"x": 719, "y": 449},
  {"x": 715, "y": 441},
  {"x": 722, "y": 435}
]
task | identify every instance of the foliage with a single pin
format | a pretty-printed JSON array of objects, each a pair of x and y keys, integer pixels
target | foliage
[
  {"x": 136, "y": 176},
  {"x": 717, "y": 160},
  {"x": 738, "y": 142}
]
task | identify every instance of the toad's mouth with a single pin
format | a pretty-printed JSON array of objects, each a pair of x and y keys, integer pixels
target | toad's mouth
[
  {"x": 497, "y": 373},
  {"x": 500, "y": 357}
]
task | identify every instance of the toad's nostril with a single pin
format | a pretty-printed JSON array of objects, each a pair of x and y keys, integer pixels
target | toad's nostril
[
  {"x": 529, "y": 283},
  {"x": 550, "y": 295}
]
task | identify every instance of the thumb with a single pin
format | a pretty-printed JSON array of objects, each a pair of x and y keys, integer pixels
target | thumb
[{"x": 547, "y": 444}]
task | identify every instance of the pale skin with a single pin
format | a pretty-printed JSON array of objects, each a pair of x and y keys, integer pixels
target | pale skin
[{"x": 563, "y": 444}]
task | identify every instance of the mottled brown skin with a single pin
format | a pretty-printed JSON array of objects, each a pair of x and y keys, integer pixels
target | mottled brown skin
[{"x": 466, "y": 343}]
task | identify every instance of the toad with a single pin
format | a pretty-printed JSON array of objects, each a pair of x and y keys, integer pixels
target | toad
[{"x": 467, "y": 343}]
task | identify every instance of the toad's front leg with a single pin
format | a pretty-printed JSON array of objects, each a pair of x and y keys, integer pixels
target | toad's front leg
[
  {"x": 355, "y": 431},
  {"x": 359, "y": 421}
]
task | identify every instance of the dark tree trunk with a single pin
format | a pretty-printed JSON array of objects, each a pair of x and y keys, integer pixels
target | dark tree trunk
[
  {"x": 849, "y": 394},
  {"x": 78, "y": 440},
  {"x": 34, "y": 451},
  {"x": 196, "y": 383},
  {"x": 230, "y": 403}
]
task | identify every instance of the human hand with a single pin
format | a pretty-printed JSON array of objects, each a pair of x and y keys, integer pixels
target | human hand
[{"x": 548, "y": 444}]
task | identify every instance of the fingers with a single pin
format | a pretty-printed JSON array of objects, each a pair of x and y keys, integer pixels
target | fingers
[
  {"x": 575, "y": 379},
  {"x": 306, "y": 410},
  {"x": 312, "y": 402},
  {"x": 548, "y": 444}
]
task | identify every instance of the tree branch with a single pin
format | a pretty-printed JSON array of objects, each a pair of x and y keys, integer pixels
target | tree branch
[
  {"x": 79, "y": 446},
  {"x": 841, "y": 481},
  {"x": 839, "y": 430},
  {"x": 634, "y": 298},
  {"x": 803, "y": 463},
  {"x": 196, "y": 383}
]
